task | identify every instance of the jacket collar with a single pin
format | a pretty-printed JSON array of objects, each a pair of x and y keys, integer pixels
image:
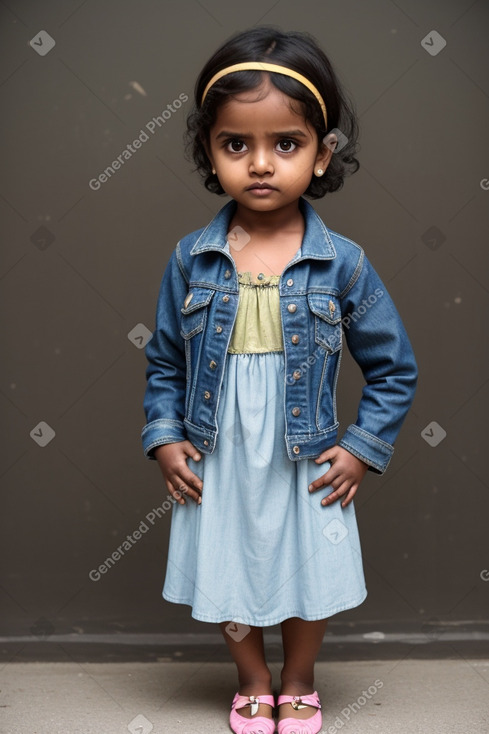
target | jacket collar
[{"x": 317, "y": 242}]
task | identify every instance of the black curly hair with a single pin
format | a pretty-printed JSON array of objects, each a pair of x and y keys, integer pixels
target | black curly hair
[{"x": 298, "y": 51}]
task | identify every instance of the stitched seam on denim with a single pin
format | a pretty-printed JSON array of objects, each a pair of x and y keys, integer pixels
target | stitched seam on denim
[
  {"x": 190, "y": 309},
  {"x": 365, "y": 434},
  {"x": 346, "y": 239},
  {"x": 211, "y": 284},
  {"x": 356, "y": 274},
  {"x": 301, "y": 437},
  {"x": 160, "y": 422},
  {"x": 320, "y": 392},
  {"x": 180, "y": 262},
  {"x": 335, "y": 382},
  {"x": 190, "y": 387},
  {"x": 161, "y": 441},
  {"x": 327, "y": 235},
  {"x": 187, "y": 375},
  {"x": 202, "y": 431},
  {"x": 187, "y": 336}
]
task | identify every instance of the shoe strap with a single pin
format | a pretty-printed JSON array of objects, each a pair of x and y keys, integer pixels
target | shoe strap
[
  {"x": 241, "y": 701},
  {"x": 312, "y": 699}
]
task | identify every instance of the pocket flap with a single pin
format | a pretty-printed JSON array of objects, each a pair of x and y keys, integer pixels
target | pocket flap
[
  {"x": 194, "y": 311},
  {"x": 325, "y": 306},
  {"x": 196, "y": 298}
]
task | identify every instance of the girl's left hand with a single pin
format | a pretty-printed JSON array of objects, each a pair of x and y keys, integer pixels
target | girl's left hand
[{"x": 344, "y": 475}]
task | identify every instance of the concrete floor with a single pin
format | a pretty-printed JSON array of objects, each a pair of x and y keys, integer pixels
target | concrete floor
[{"x": 402, "y": 696}]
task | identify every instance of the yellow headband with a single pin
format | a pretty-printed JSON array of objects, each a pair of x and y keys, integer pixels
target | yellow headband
[{"x": 264, "y": 66}]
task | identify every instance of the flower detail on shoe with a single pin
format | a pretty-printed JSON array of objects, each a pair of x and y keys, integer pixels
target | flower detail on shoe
[
  {"x": 311, "y": 725},
  {"x": 297, "y": 704},
  {"x": 254, "y": 705}
]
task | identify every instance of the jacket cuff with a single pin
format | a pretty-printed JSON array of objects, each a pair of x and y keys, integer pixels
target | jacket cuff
[
  {"x": 159, "y": 432},
  {"x": 367, "y": 447}
]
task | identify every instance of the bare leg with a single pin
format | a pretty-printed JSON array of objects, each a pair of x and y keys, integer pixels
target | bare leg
[
  {"x": 301, "y": 642},
  {"x": 253, "y": 673}
]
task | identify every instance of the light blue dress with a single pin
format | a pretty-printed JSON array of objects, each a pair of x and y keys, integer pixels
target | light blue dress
[{"x": 260, "y": 548}]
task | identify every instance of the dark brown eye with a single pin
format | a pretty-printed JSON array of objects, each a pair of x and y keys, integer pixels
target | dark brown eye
[
  {"x": 287, "y": 146},
  {"x": 236, "y": 146}
]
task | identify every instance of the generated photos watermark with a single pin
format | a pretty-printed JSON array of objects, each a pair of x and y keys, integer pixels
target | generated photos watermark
[
  {"x": 335, "y": 143},
  {"x": 237, "y": 631},
  {"x": 353, "y": 708},
  {"x": 155, "y": 514},
  {"x": 140, "y": 725},
  {"x": 152, "y": 126}
]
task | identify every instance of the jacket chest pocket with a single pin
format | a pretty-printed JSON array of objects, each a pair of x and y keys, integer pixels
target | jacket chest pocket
[
  {"x": 327, "y": 320},
  {"x": 194, "y": 311}
]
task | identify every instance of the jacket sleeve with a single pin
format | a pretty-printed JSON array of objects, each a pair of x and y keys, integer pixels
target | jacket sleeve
[
  {"x": 378, "y": 342},
  {"x": 164, "y": 399}
]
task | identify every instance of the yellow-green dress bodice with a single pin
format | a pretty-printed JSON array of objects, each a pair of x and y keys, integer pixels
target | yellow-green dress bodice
[{"x": 258, "y": 325}]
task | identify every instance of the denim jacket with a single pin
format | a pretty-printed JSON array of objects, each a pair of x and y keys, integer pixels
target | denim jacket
[{"x": 328, "y": 292}]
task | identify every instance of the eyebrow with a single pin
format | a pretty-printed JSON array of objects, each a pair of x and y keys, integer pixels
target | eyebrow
[{"x": 279, "y": 133}]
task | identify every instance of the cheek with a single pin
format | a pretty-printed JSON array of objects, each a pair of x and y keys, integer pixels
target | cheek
[
  {"x": 303, "y": 171},
  {"x": 230, "y": 168}
]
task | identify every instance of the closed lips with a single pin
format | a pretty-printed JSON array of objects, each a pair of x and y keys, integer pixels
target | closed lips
[{"x": 260, "y": 186}]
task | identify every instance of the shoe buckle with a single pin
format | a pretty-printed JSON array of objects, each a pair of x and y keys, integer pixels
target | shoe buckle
[
  {"x": 254, "y": 703},
  {"x": 297, "y": 704}
]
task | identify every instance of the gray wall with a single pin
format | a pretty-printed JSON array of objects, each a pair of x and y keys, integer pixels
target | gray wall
[{"x": 80, "y": 272}]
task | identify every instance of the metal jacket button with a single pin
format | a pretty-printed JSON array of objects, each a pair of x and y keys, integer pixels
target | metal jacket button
[
  {"x": 290, "y": 282},
  {"x": 296, "y": 450},
  {"x": 295, "y": 339},
  {"x": 296, "y": 374},
  {"x": 207, "y": 394},
  {"x": 188, "y": 299},
  {"x": 206, "y": 442},
  {"x": 292, "y": 308},
  {"x": 212, "y": 364},
  {"x": 227, "y": 274},
  {"x": 225, "y": 299},
  {"x": 296, "y": 411},
  {"x": 218, "y": 329}
]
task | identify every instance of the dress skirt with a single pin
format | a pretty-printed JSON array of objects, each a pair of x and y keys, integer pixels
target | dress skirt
[{"x": 260, "y": 548}]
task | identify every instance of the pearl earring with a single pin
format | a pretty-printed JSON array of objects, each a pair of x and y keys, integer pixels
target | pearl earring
[
  {"x": 319, "y": 172},
  {"x": 214, "y": 171}
]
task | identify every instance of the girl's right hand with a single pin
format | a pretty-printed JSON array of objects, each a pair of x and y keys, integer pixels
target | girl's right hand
[{"x": 179, "y": 479}]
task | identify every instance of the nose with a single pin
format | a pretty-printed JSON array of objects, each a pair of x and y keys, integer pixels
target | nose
[{"x": 261, "y": 162}]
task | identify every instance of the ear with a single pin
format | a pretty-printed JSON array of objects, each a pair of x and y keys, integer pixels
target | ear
[{"x": 326, "y": 150}]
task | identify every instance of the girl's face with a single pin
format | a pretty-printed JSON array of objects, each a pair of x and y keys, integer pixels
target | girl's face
[{"x": 265, "y": 154}]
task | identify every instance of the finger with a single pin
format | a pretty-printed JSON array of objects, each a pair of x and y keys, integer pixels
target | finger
[
  {"x": 326, "y": 455},
  {"x": 331, "y": 475},
  {"x": 191, "y": 451},
  {"x": 321, "y": 458},
  {"x": 175, "y": 493},
  {"x": 189, "y": 492},
  {"x": 334, "y": 496},
  {"x": 192, "y": 480},
  {"x": 350, "y": 495},
  {"x": 185, "y": 485},
  {"x": 326, "y": 479}
]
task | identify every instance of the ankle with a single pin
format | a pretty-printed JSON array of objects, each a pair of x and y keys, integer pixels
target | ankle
[
  {"x": 297, "y": 686},
  {"x": 255, "y": 685}
]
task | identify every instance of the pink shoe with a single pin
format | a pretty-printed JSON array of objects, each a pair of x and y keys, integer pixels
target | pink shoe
[
  {"x": 257, "y": 724},
  {"x": 301, "y": 726}
]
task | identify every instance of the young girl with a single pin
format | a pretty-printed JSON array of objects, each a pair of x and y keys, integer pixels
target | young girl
[{"x": 243, "y": 365}]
